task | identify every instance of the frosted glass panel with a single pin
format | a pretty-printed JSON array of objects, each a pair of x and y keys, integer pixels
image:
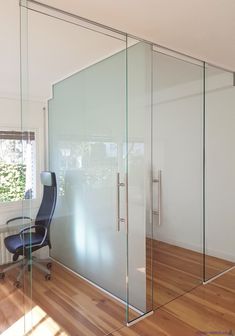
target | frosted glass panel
[
  {"x": 87, "y": 117},
  {"x": 220, "y": 171},
  {"x": 177, "y": 161}
]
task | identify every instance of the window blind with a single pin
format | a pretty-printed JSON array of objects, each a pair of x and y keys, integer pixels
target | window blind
[{"x": 17, "y": 135}]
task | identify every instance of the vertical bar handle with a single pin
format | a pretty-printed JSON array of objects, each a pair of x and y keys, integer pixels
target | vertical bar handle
[
  {"x": 159, "y": 196},
  {"x": 158, "y": 180},
  {"x": 119, "y": 219},
  {"x": 118, "y": 202}
]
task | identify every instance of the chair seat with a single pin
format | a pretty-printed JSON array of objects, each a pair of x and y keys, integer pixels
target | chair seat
[{"x": 14, "y": 243}]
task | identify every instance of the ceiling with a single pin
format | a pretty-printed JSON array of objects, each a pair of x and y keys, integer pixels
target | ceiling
[
  {"x": 200, "y": 28},
  {"x": 204, "y": 29}
]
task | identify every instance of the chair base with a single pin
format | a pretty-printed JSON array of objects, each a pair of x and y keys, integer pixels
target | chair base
[{"x": 26, "y": 264}]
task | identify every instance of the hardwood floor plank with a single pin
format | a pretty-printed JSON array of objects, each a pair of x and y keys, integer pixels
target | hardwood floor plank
[
  {"x": 82, "y": 305},
  {"x": 177, "y": 270},
  {"x": 200, "y": 315},
  {"x": 71, "y": 306}
]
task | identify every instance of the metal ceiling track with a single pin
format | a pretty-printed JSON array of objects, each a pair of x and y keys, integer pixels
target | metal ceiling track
[{"x": 106, "y": 30}]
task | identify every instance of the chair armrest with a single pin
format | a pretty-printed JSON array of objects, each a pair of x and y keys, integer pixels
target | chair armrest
[
  {"x": 31, "y": 227},
  {"x": 20, "y": 217}
]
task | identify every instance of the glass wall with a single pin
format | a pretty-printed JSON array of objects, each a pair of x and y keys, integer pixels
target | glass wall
[
  {"x": 219, "y": 170},
  {"x": 141, "y": 141},
  {"x": 33, "y": 137},
  {"x": 13, "y": 142}
]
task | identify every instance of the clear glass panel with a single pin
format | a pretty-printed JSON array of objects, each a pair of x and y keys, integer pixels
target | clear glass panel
[
  {"x": 139, "y": 55},
  {"x": 30, "y": 142},
  {"x": 77, "y": 100},
  {"x": 177, "y": 170},
  {"x": 219, "y": 171},
  {"x": 14, "y": 301}
]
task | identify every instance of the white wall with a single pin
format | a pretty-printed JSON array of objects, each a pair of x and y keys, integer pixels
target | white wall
[{"x": 177, "y": 135}]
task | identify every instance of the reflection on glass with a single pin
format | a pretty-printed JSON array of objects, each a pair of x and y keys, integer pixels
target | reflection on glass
[
  {"x": 220, "y": 171},
  {"x": 90, "y": 159}
]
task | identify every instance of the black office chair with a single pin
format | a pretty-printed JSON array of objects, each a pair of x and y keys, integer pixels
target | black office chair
[{"x": 34, "y": 237}]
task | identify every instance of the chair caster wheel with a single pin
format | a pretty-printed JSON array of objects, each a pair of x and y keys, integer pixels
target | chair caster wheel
[
  {"x": 48, "y": 277},
  {"x": 2, "y": 276},
  {"x": 17, "y": 284},
  {"x": 49, "y": 265}
]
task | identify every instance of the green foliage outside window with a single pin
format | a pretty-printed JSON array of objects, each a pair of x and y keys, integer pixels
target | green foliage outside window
[{"x": 12, "y": 181}]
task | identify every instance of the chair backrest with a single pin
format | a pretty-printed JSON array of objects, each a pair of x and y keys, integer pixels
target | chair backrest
[{"x": 47, "y": 207}]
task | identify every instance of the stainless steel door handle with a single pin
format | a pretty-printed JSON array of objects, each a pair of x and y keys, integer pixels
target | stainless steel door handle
[
  {"x": 158, "y": 212},
  {"x": 119, "y": 219},
  {"x": 159, "y": 197}
]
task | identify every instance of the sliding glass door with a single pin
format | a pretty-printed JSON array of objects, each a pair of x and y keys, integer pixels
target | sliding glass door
[
  {"x": 219, "y": 171},
  {"x": 177, "y": 175},
  {"x": 165, "y": 174}
]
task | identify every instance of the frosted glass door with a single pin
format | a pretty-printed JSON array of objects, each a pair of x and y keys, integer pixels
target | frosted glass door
[{"x": 87, "y": 117}]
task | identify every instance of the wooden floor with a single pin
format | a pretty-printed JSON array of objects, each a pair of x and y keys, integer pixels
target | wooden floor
[
  {"x": 206, "y": 310},
  {"x": 75, "y": 305},
  {"x": 177, "y": 270},
  {"x": 67, "y": 305}
]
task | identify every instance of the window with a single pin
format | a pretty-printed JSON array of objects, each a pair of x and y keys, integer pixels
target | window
[{"x": 17, "y": 166}]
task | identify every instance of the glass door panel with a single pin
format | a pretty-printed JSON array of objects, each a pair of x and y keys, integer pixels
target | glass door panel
[
  {"x": 177, "y": 168},
  {"x": 139, "y": 58},
  {"x": 219, "y": 171}
]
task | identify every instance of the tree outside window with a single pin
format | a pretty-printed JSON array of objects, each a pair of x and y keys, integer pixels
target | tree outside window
[{"x": 17, "y": 165}]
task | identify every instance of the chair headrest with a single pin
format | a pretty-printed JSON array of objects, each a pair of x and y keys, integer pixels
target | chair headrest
[{"x": 48, "y": 178}]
